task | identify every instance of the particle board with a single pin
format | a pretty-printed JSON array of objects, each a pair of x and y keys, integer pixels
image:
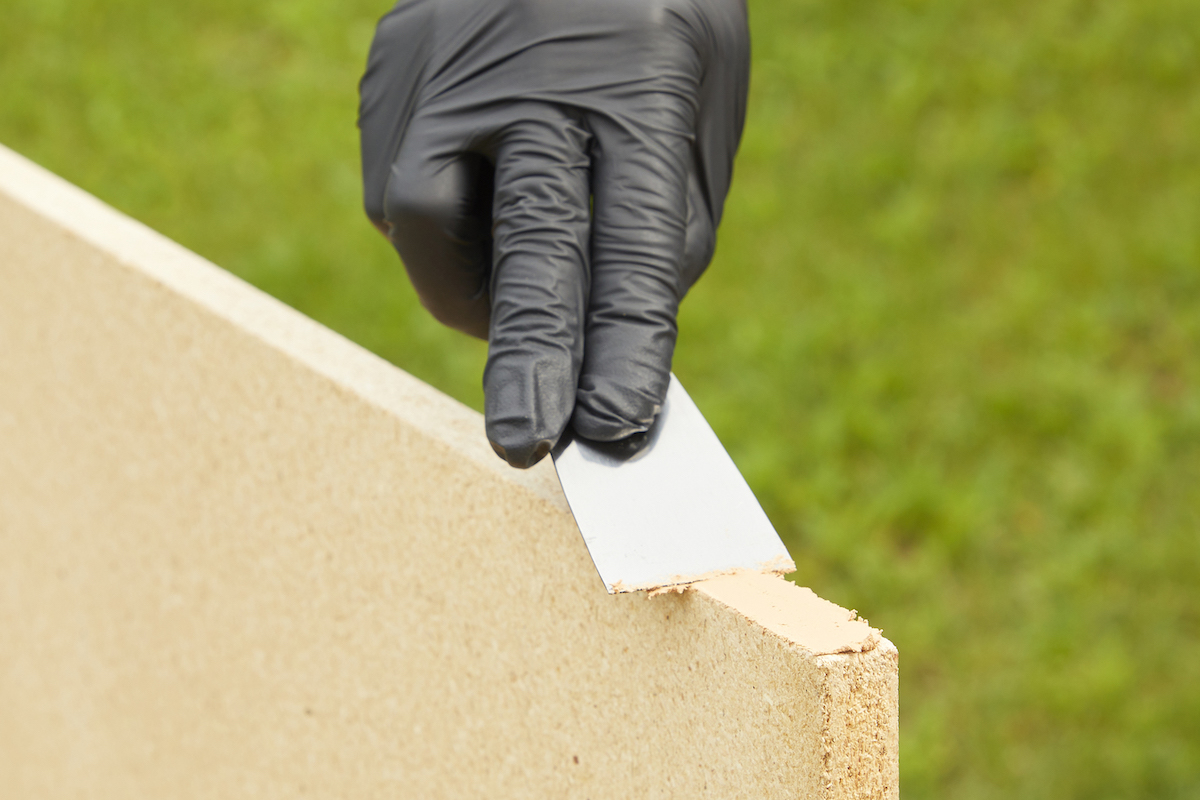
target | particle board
[{"x": 241, "y": 557}]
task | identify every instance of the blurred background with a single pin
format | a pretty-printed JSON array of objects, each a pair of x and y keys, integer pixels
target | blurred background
[{"x": 951, "y": 334}]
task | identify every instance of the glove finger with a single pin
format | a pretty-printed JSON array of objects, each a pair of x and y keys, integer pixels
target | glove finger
[
  {"x": 388, "y": 94},
  {"x": 639, "y": 231},
  {"x": 539, "y": 282},
  {"x": 438, "y": 214},
  {"x": 431, "y": 199},
  {"x": 724, "y": 41}
]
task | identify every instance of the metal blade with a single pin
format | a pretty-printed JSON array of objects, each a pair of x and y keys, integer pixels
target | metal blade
[{"x": 675, "y": 512}]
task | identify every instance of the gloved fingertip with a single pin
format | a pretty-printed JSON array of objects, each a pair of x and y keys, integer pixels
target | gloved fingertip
[
  {"x": 522, "y": 455},
  {"x": 528, "y": 397},
  {"x": 603, "y": 425}
]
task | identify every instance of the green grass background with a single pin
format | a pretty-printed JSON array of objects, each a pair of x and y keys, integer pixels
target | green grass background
[{"x": 951, "y": 333}]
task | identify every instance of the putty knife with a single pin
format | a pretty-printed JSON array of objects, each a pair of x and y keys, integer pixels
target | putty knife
[{"x": 675, "y": 512}]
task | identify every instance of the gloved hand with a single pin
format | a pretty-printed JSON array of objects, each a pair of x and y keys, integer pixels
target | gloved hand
[{"x": 551, "y": 173}]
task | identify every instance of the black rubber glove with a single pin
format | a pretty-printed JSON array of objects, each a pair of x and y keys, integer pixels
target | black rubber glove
[{"x": 551, "y": 173}]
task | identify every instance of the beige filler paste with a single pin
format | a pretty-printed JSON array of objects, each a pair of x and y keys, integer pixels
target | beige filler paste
[
  {"x": 793, "y": 613},
  {"x": 241, "y": 557}
]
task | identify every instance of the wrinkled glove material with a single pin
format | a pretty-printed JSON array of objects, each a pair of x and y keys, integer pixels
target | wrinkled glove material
[{"x": 551, "y": 173}]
